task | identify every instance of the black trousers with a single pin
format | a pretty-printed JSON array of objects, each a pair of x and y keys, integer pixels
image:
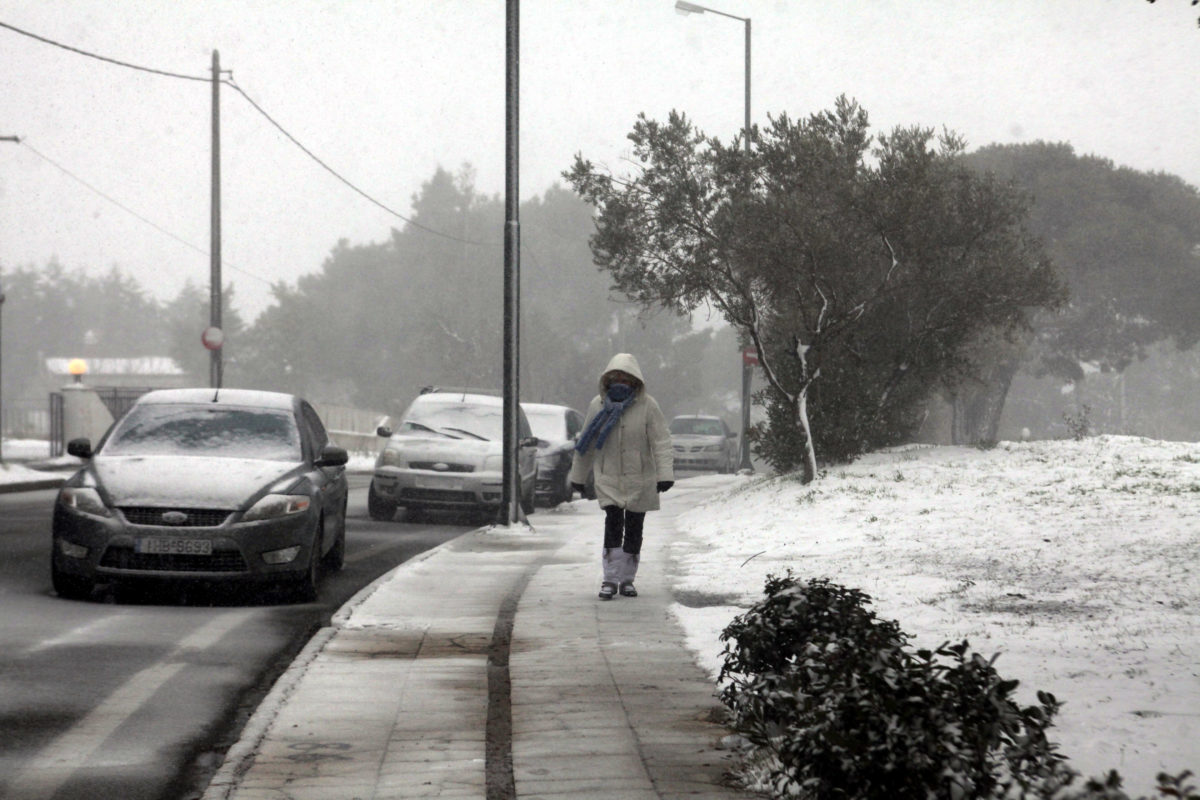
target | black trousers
[{"x": 623, "y": 529}]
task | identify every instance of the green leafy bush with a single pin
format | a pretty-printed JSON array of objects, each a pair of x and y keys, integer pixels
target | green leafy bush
[{"x": 832, "y": 700}]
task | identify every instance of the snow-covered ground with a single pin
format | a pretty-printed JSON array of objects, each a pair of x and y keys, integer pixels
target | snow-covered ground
[{"x": 1078, "y": 562}]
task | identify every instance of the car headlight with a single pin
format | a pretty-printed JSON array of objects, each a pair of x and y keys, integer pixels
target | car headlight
[
  {"x": 85, "y": 500},
  {"x": 273, "y": 506},
  {"x": 390, "y": 457},
  {"x": 493, "y": 463}
]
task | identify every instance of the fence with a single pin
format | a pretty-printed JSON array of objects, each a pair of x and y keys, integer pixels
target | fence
[
  {"x": 351, "y": 428},
  {"x": 25, "y": 419}
]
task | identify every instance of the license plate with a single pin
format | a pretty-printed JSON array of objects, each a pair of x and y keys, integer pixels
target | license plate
[
  {"x": 162, "y": 545},
  {"x": 438, "y": 482}
]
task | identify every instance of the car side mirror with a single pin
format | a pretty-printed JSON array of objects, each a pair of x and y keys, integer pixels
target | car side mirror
[
  {"x": 332, "y": 456},
  {"x": 80, "y": 448},
  {"x": 529, "y": 441},
  {"x": 384, "y": 431}
]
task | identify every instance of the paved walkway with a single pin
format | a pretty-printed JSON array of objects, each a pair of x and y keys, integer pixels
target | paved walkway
[{"x": 488, "y": 668}]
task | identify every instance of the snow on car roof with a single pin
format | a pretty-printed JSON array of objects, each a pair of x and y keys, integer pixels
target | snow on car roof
[
  {"x": 460, "y": 397},
  {"x": 544, "y": 407},
  {"x": 253, "y": 398}
]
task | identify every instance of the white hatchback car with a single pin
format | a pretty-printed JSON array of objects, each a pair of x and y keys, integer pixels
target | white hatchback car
[
  {"x": 448, "y": 453},
  {"x": 703, "y": 442}
]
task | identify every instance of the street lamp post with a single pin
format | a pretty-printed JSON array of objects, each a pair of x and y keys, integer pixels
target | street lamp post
[
  {"x": 684, "y": 7},
  {"x": 16, "y": 140},
  {"x": 1, "y": 381}
]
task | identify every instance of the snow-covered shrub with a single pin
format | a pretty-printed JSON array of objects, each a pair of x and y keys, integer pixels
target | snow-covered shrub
[
  {"x": 847, "y": 710},
  {"x": 1079, "y": 422},
  {"x": 834, "y": 704}
]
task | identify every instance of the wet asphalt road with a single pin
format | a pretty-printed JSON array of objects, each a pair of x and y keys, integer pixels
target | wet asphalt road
[{"x": 138, "y": 692}]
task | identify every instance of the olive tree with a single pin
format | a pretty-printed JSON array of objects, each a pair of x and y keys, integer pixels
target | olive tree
[{"x": 858, "y": 266}]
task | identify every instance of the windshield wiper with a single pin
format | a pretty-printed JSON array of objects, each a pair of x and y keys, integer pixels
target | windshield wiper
[{"x": 468, "y": 433}]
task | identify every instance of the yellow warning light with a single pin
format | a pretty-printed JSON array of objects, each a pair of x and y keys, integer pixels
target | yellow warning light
[{"x": 77, "y": 367}]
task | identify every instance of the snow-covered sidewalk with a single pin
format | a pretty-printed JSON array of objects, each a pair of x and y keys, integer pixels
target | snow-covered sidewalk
[{"x": 1076, "y": 561}]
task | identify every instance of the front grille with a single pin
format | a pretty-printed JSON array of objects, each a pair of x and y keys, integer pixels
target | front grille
[
  {"x": 196, "y": 517},
  {"x": 219, "y": 561},
  {"x": 447, "y": 468},
  {"x": 437, "y": 496}
]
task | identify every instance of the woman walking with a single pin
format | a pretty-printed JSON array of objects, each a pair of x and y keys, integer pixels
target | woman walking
[{"x": 626, "y": 445}]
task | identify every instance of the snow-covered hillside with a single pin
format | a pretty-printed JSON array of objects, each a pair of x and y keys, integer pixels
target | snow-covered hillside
[{"x": 1077, "y": 561}]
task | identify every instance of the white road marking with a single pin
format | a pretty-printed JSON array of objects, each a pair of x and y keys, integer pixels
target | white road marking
[
  {"x": 80, "y": 633},
  {"x": 53, "y": 766}
]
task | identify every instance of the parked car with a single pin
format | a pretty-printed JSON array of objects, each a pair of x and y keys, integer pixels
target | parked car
[
  {"x": 205, "y": 484},
  {"x": 556, "y": 428},
  {"x": 448, "y": 453},
  {"x": 703, "y": 442}
]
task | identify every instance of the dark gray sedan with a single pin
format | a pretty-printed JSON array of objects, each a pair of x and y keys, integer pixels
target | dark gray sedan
[{"x": 204, "y": 484}]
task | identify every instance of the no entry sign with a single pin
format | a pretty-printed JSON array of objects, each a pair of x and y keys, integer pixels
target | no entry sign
[{"x": 213, "y": 338}]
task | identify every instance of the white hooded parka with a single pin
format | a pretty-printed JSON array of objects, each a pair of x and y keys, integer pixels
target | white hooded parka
[{"x": 637, "y": 453}]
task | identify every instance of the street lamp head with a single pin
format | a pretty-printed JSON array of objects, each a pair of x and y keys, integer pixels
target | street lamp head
[{"x": 685, "y": 8}]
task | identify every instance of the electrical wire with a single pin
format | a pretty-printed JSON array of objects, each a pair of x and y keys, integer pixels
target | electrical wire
[
  {"x": 229, "y": 82},
  {"x": 53, "y": 43},
  {"x": 128, "y": 210}
]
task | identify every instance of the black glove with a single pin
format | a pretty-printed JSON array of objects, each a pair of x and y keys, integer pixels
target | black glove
[
  {"x": 664, "y": 485},
  {"x": 579, "y": 487}
]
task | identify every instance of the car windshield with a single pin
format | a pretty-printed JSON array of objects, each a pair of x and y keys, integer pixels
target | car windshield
[
  {"x": 458, "y": 420},
  {"x": 206, "y": 430},
  {"x": 547, "y": 424},
  {"x": 697, "y": 427}
]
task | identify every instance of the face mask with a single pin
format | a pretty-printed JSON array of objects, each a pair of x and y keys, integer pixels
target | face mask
[{"x": 618, "y": 391}]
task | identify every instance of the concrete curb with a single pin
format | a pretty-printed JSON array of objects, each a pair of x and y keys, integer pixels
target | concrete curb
[{"x": 31, "y": 486}]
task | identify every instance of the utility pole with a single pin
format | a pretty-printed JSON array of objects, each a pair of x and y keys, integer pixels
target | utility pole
[
  {"x": 214, "y": 301},
  {"x": 510, "y": 497},
  {"x": 15, "y": 140},
  {"x": 747, "y": 370}
]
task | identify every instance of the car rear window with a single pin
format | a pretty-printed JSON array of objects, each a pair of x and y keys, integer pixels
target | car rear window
[
  {"x": 697, "y": 427},
  {"x": 550, "y": 425},
  {"x": 206, "y": 430}
]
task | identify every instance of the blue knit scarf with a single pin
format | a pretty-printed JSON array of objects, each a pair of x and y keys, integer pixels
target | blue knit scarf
[{"x": 616, "y": 400}]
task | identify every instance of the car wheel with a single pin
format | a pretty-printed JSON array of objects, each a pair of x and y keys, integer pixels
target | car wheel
[
  {"x": 335, "y": 559},
  {"x": 379, "y": 508},
  {"x": 70, "y": 587},
  {"x": 306, "y": 584}
]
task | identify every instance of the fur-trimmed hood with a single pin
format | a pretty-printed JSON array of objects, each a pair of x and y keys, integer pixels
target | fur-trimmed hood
[{"x": 625, "y": 362}]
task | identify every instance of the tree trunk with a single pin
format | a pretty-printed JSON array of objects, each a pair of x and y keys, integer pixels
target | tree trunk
[
  {"x": 808, "y": 469},
  {"x": 978, "y": 405},
  {"x": 978, "y": 402}
]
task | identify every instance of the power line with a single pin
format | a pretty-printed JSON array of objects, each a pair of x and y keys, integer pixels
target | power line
[
  {"x": 102, "y": 58},
  {"x": 267, "y": 116},
  {"x": 335, "y": 174},
  {"x": 129, "y": 210}
]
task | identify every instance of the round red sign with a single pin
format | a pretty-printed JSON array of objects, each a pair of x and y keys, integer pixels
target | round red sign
[{"x": 213, "y": 338}]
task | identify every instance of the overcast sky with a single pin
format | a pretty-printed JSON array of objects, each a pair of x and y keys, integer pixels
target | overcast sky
[{"x": 385, "y": 92}]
